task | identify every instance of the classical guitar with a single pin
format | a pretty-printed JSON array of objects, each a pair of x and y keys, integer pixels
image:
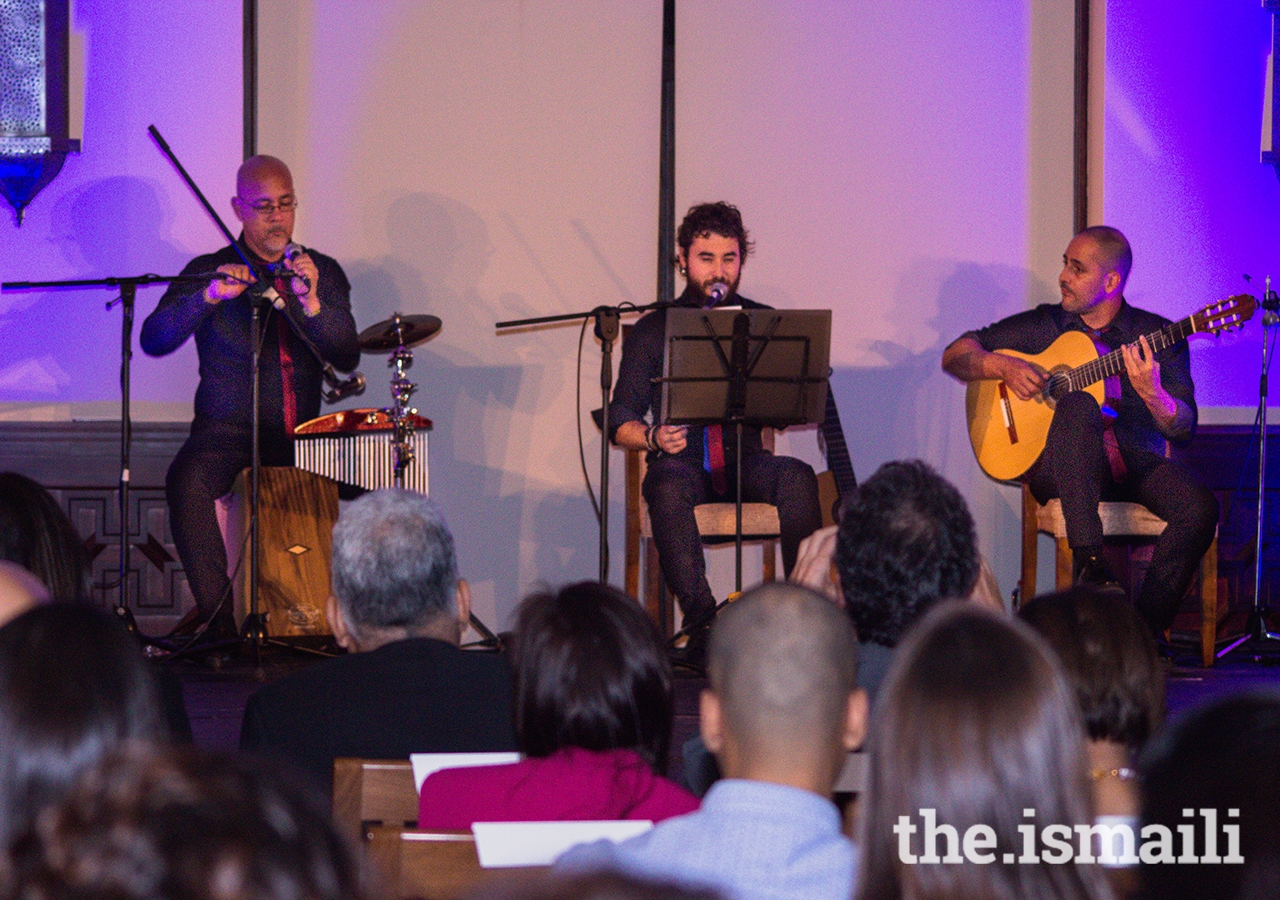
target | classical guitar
[
  {"x": 1008, "y": 434},
  {"x": 839, "y": 481}
]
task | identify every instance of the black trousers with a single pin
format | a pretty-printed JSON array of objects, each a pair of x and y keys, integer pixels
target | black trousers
[
  {"x": 204, "y": 469},
  {"x": 1074, "y": 468},
  {"x": 675, "y": 485}
]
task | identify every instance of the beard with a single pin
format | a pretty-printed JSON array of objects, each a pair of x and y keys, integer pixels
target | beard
[{"x": 703, "y": 289}]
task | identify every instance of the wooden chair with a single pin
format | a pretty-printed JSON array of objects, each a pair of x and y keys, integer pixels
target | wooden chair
[
  {"x": 432, "y": 865},
  {"x": 369, "y": 791},
  {"x": 1118, "y": 520},
  {"x": 716, "y": 524}
]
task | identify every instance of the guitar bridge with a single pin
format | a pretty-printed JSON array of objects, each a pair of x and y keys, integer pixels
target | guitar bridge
[{"x": 1006, "y": 410}]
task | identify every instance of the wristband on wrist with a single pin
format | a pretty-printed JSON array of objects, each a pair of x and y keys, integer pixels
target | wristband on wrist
[{"x": 650, "y": 438}]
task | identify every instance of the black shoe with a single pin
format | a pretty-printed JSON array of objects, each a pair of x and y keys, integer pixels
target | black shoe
[
  {"x": 1092, "y": 570},
  {"x": 222, "y": 628},
  {"x": 187, "y": 625},
  {"x": 693, "y": 655}
]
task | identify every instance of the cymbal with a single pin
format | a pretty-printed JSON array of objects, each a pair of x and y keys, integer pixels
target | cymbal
[{"x": 383, "y": 337}]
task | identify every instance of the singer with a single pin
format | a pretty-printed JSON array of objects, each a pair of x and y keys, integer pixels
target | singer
[
  {"x": 309, "y": 294},
  {"x": 688, "y": 466}
]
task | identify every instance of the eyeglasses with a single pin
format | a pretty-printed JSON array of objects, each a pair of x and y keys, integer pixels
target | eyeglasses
[{"x": 266, "y": 207}]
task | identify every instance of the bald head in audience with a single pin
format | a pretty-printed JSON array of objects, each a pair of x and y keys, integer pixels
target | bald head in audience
[
  {"x": 20, "y": 590},
  {"x": 783, "y": 705}
]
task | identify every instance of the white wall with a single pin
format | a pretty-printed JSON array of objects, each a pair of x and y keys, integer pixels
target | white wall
[{"x": 906, "y": 165}]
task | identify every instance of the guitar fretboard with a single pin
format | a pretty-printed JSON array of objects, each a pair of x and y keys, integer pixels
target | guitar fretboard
[{"x": 1113, "y": 363}]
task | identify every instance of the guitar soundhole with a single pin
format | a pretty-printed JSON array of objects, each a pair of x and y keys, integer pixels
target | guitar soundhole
[{"x": 1058, "y": 386}]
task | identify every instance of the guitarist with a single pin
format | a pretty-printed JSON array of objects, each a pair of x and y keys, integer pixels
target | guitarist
[{"x": 1118, "y": 451}]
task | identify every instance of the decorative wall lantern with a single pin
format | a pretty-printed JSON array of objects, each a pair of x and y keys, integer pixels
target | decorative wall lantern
[{"x": 34, "y": 108}]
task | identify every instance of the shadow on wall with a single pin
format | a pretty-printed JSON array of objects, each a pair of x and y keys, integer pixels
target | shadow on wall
[
  {"x": 505, "y": 524},
  {"x": 64, "y": 343},
  {"x": 908, "y": 407}
]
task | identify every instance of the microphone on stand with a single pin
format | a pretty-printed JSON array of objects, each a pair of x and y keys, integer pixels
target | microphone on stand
[
  {"x": 340, "y": 388},
  {"x": 718, "y": 292}
]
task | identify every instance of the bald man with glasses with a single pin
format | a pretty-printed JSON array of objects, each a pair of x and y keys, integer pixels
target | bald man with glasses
[{"x": 313, "y": 300}]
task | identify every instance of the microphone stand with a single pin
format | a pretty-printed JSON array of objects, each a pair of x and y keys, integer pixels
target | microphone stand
[
  {"x": 1256, "y": 634},
  {"x": 128, "y": 286},
  {"x": 607, "y": 329}
]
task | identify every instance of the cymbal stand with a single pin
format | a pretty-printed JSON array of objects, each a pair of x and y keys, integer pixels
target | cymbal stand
[{"x": 400, "y": 413}]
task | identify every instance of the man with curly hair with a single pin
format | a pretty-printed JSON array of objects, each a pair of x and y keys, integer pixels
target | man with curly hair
[{"x": 906, "y": 542}]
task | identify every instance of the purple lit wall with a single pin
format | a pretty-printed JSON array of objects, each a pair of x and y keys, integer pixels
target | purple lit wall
[
  {"x": 118, "y": 208},
  {"x": 1184, "y": 104}
]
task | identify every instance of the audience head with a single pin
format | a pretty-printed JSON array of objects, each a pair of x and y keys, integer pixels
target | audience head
[
  {"x": 976, "y": 723},
  {"x": 36, "y": 534},
  {"x": 73, "y": 687},
  {"x": 185, "y": 825},
  {"x": 590, "y": 672},
  {"x": 394, "y": 572},
  {"x": 1109, "y": 658},
  {"x": 783, "y": 703},
  {"x": 1224, "y": 756},
  {"x": 19, "y": 591},
  {"x": 906, "y": 541}
]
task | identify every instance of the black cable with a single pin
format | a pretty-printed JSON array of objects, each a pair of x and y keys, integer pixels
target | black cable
[{"x": 582, "y": 453}]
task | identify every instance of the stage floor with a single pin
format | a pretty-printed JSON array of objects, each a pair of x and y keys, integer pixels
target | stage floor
[{"x": 216, "y": 698}]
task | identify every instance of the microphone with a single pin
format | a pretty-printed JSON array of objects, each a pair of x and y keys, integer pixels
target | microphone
[
  {"x": 292, "y": 251},
  {"x": 349, "y": 387},
  {"x": 718, "y": 292},
  {"x": 353, "y": 386}
]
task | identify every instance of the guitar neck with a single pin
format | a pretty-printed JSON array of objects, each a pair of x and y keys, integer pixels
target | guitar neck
[
  {"x": 838, "y": 461},
  {"x": 1113, "y": 363}
]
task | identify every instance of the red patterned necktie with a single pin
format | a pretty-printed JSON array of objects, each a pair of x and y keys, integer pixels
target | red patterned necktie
[
  {"x": 715, "y": 455},
  {"x": 1111, "y": 390},
  {"x": 286, "y": 367}
]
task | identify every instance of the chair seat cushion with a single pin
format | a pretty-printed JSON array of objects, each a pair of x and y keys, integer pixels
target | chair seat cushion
[
  {"x": 716, "y": 520},
  {"x": 1118, "y": 519}
]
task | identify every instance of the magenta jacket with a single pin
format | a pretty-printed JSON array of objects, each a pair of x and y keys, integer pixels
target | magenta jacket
[{"x": 571, "y": 784}]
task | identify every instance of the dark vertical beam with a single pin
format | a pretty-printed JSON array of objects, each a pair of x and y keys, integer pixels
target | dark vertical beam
[
  {"x": 667, "y": 158},
  {"x": 250, "y": 43},
  {"x": 57, "y": 73},
  {"x": 1080, "y": 166}
]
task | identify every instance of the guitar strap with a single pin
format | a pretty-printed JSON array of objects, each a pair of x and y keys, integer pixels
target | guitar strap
[{"x": 1111, "y": 388}]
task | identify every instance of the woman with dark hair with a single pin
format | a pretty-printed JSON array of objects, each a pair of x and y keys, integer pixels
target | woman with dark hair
[
  {"x": 593, "y": 710},
  {"x": 73, "y": 687},
  {"x": 185, "y": 825},
  {"x": 976, "y": 739},
  {"x": 1111, "y": 663},
  {"x": 36, "y": 534}
]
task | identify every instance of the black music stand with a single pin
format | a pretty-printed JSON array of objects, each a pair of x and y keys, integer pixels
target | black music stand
[{"x": 773, "y": 374}]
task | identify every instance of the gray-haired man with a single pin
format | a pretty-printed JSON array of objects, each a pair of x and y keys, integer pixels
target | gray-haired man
[{"x": 398, "y": 606}]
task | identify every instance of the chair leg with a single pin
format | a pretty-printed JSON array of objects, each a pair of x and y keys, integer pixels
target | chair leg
[
  {"x": 1030, "y": 533},
  {"x": 769, "y": 570},
  {"x": 653, "y": 594},
  {"x": 1209, "y": 605},
  {"x": 1063, "y": 562}
]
